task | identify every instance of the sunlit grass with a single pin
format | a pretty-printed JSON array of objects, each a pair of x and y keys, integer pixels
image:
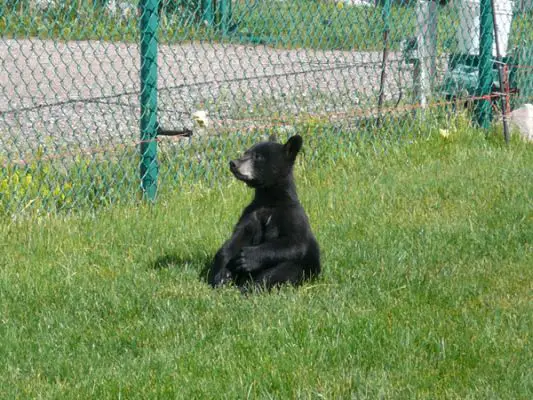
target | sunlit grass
[{"x": 426, "y": 290}]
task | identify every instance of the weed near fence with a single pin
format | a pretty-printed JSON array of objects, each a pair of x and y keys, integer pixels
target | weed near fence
[{"x": 105, "y": 176}]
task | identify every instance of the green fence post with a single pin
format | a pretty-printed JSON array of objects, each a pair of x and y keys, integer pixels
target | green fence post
[
  {"x": 149, "y": 167},
  {"x": 225, "y": 15},
  {"x": 208, "y": 14},
  {"x": 483, "y": 106}
]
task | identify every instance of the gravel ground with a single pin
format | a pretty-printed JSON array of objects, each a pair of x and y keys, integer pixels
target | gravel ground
[{"x": 84, "y": 95}]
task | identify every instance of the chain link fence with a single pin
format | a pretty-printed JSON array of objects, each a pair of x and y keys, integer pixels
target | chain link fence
[{"x": 100, "y": 98}]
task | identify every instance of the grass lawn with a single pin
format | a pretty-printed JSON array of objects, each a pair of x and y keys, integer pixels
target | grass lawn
[
  {"x": 426, "y": 291},
  {"x": 323, "y": 25}
]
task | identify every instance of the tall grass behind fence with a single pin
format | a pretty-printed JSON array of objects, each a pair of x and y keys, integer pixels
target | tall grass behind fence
[{"x": 354, "y": 70}]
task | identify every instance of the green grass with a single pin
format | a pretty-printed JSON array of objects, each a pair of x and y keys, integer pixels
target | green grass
[
  {"x": 66, "y": 179},
  {"x": 289, "y": 24},
  {"x": 426, "y": 290}
]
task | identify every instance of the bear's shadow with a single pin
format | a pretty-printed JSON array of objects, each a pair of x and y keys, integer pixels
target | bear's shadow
[{"x": 172, "y": 260}]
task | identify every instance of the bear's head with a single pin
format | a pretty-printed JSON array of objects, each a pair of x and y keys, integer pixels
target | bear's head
[{"x": 267, "y": 163}]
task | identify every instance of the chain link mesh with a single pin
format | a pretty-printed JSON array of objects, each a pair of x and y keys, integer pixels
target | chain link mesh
[{"x": 230, "y": 71}]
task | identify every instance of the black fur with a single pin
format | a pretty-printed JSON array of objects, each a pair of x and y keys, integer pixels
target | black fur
[{"x": 272, "y": 243}]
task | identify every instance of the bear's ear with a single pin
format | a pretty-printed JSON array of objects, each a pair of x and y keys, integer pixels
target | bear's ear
[{"x": 293, "y": 146}]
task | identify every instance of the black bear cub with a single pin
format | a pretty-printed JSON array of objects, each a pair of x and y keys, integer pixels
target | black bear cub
[{"x": 272, "y": 243}]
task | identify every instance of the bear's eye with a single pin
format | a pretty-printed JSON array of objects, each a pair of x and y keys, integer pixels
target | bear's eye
[{"x": 258, "y": 156}]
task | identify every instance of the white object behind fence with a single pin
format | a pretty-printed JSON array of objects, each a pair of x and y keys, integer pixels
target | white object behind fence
[{"x": 468, "y": 32}]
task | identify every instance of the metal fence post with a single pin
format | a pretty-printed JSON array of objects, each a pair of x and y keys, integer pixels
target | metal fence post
[
  {"x": 483, "y": 107},
  {"x": 149, "y": 166},
  {"x": 385, "y": 14},
  {"x": 208, "y": 15},
  {"x": 225, "y": 15},
  {"x": 424, "y": 68}
]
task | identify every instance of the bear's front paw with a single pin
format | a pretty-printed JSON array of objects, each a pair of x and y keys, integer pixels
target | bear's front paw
[
  {"x": 221, "y": 278},
  {"x": 243, "y": 262}
]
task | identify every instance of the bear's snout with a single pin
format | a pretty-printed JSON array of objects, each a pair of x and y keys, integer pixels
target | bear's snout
[{"x": 242, "y": 169}]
